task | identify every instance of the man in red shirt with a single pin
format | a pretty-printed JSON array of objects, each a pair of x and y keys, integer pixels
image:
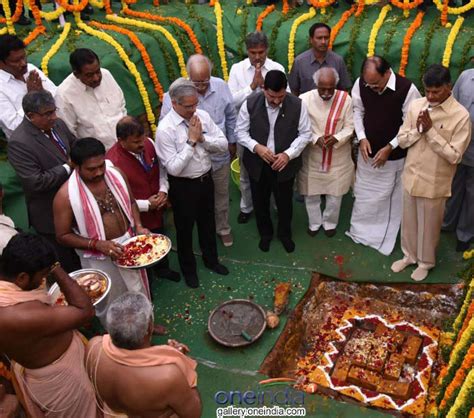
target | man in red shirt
[{"x": 134, "y": 154}]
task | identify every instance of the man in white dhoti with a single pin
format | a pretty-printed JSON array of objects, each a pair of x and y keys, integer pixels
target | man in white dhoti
[
  {"x": 380, "y": 99},
  {"x": 94, "y": 212},
  {"x": 327, "y": 164}
]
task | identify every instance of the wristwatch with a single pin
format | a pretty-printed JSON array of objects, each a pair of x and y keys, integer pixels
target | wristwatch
[{"x": 192, "y": 143}]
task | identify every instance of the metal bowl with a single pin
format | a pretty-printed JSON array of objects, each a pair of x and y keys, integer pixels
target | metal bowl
[
  {"x": 151, "y": 263},
  {"x": 237, "y": 323},
  {"x": 54, "y": 291}
]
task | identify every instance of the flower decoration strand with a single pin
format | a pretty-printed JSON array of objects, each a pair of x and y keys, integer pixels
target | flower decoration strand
[
  {"x": 466, "y": 391},
  {"x": 285, "y": 7},
  {"x": 407, "y": 40},
  {"x": 261, "y": 16},
  {"x": 152, "y": 26},
  {"x": 455, "y": 10},
  {"x": 8, "y": 17},
  {"x": 406, "y": 6},
  {"x": 143, "y": 52},
  {"x": 376, "y": 28},
  {"x": 49, "y": 16},
  {"x": 464, "y": 308},
  {"x": 448, "y": 50},
  {"x": 39, "y": 24},
  {"x": 16, "y": 15},
  {"x": 55, "y": 48},
  {"x": 340, "y": 24},
  {"x": 360, "y": 7},
  {"x": 128, "y": 63},
  {"x": 174, "y": 20},
  {"x": 79, "y": 7},
  {"x": 294, "y": 27},
  {"x": 220, "y": 39},
  {"x": 444, "y": 12}
]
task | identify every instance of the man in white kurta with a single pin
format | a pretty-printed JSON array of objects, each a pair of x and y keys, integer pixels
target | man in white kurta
[
  {"x": 327, "y": 164},
  {"x": 89, "y": 100}
]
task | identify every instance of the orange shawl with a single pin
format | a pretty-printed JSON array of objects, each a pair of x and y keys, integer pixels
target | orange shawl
[
  {"x": 11, "y": 294},
  {"x": 157, "y": 355}
]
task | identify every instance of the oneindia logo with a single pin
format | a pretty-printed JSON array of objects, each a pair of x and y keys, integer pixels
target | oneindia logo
[{"x": 286, "y": 397}]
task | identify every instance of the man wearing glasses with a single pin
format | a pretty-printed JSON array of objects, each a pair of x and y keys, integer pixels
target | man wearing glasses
[
  {"x": 215, "y": 98},
  {"x": 39, "y": 151},
  {"x": 380, "y": 99}
]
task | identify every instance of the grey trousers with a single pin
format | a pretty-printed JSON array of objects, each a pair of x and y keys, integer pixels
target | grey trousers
[{"x": 459, "y": 215}]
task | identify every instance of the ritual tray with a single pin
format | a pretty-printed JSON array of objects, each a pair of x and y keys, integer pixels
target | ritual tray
[
  {"x": 155, "y": 258},
  {"x": 237, "y": 323}
]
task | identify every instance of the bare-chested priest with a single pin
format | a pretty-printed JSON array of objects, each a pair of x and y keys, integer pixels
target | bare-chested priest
[
  {"x": 94, "y": 212},
  {"x": 46, "y": 352},
  {"x": 132, "y": 377}
]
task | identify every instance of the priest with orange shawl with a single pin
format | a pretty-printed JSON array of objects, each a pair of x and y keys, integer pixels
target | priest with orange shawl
[
  {"x": 132, "y": 377},
  {"x": 46, "y": 352},
  {"x": 327, "y": 165}
]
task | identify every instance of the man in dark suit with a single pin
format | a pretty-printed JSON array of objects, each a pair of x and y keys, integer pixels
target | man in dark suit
[
  {"x": 39, "y": 150},
  {"x": 274, "y": 129}
]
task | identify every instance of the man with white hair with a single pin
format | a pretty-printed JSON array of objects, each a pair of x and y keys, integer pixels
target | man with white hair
[
  {"x": 134, "y": 378},
  {"x": 216, "y": 99},
  {"x": 185, "y": 140},
  {"x": 327, "y": 164}
]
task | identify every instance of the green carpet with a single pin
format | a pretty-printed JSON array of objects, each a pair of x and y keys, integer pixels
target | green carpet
[{"x": 253, "y": 275}]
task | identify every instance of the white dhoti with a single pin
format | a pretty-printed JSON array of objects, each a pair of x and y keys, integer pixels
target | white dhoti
[
  {"x": 377, "y": 211},
  {"x": 246, "y": 203}
]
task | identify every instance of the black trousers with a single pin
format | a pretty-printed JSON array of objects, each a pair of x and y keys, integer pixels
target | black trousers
[
  {"x": 68, "y": 258},
  {"x": 283, "y": 193},
  {"x": 192, "y": 201}
]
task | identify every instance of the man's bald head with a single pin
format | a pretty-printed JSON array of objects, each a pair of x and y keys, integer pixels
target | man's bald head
[
  {"x": 375, "y": 73},
  {"x": 326, "y": 80},
  {"x": 199, "y": 69}
]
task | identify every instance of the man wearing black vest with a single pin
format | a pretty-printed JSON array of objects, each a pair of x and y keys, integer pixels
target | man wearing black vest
[
  {"x": 274, "y": 128},
  {"x": 380, "y": 99}
]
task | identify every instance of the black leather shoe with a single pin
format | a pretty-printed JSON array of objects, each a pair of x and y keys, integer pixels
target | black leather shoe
[
  {"x": 462, "y": 246},
  {"x": 243, "y": 217},
  {"x": 330, "y": 232},
  {"x": 191, "y": 280},
  {"x": 169, "y": 274},
  {"x": 312, "y": 233},
  {"x": 218, "y": 268},
  {"x": 23, "y": 21},
  {"x": 288, "y": 244},
  {"x": 264, "y": 244}
]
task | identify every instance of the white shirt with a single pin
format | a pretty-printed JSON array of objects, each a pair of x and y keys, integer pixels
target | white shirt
[
  {"x": 241, "y": 76},
  {"x": 91, "y": 112},
  {"x": 359, "y": 110},
  {"x": 181, "y": 159},
  {"x": 296, "y": 147},
  {"x": 7, "y": 231},
  {"x": 144, "y": 204},
  {"x": 11, "y": 96}
]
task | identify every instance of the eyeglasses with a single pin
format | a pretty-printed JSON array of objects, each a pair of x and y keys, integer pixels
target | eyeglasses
[
  {"x": 48, "y": 113},
  {"x": 201, "y": 83},
  {"x": 188, "y": 107}
]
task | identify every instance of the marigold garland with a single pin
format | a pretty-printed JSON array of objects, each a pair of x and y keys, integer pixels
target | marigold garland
[
  {"x": 16, "y": 15},
  {"x": 55, "y": 48},
  {"x": 376, "y": 28},
  {"x": 339, "y": 25},
  {"x": 128, "y": 63},
  {"x": 466, "y": 391},
  {"x": 33, "y": 35},
  {"x": 100, "y": 4},
  {"x": 8, "y": 17},
  {"x": 444, "y": 12},
  {"x": 77, "y": 7},
  {"x": 143, "y": 52},
  {"x": 467, "y": 319},
  {"x": 455, "y": 385},
  {"x": 448, "y": 50},
  {"x": 261, "y": 16},
  {"x": 220, "y": 39},
  {"x": 286, "y": 7},
  {"x": 152, "y": 26},
  {"x": 3, "y": 31},
  {"x": 468, "y": 254},
  {"x": 294, "y": 27},
  {"x": 174, "y": 20},
  {"x": 360, "y": 7},
  {"x": 323, "y": 4},
  {"x": 406, "y": 6},
  {"x": 455, "y": 10},
  {"x": 407, "y": 39},
  {"x": 458, "y": 322},
  {"x": 49, "y": 16},
  {"x": 37, "y": 16}
]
